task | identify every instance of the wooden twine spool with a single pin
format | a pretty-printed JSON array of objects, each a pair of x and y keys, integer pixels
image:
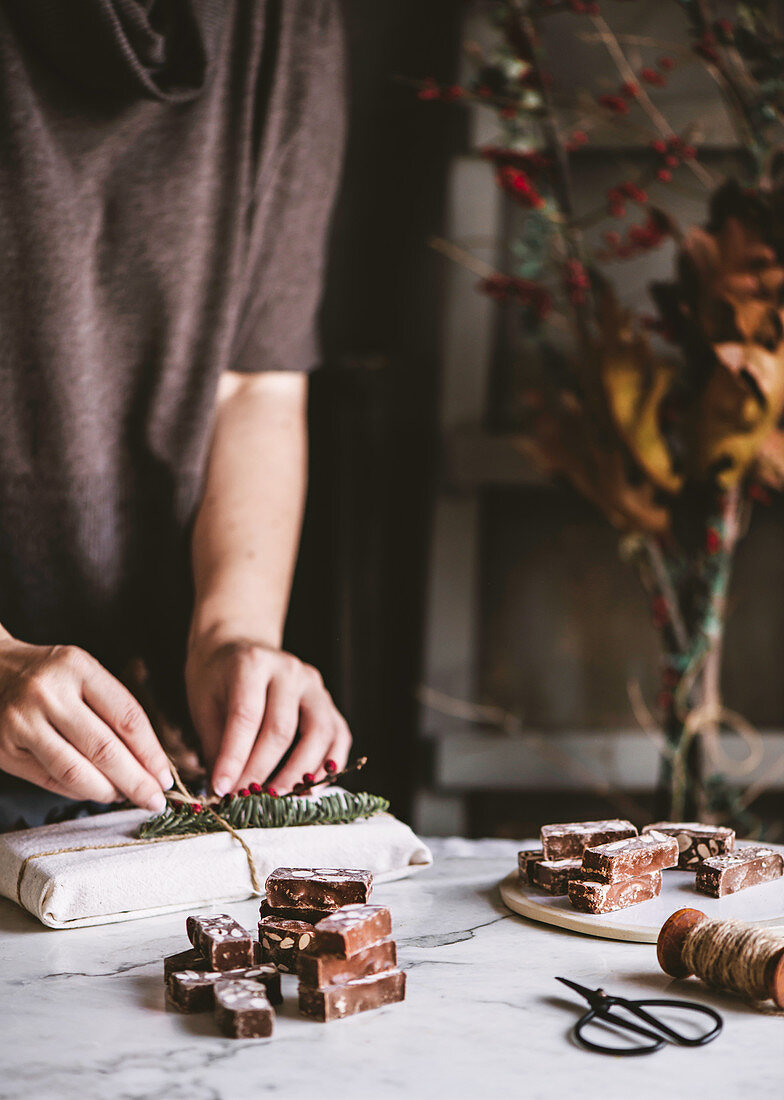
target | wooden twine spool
[{"x": 728, "y": 954}]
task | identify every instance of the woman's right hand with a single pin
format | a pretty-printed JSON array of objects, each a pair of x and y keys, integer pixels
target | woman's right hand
[{"x": 68, "y": 725}]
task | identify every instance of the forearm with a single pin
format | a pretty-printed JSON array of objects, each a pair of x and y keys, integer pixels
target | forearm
[
  {"x": 247, "y": 528},
  {"x": 252, "y": 704}
]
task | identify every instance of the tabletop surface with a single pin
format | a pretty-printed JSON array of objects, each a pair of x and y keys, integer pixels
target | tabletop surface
[{"x": 83, "y": 1013}]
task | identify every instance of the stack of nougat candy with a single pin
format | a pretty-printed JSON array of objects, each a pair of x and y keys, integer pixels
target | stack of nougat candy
[
  {"x": 318, "y": 923},
  {"x": 221, "y": 972},
  {"x": 606, "y": 865},
  {"x": 315, "y": 922}
]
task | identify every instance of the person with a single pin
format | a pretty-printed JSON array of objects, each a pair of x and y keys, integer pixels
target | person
[{"x": 167, "y": 176}]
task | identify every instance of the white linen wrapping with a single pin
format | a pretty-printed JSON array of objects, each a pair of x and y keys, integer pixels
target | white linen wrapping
[{"x": 118, "y": 883}]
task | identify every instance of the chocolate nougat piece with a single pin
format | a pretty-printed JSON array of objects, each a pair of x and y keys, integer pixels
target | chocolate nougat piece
[
  {"x": 570, "y": 839},
  {"x": 332, "y": 1002},
  {"x": 638, "y": 855},
  {"x": 696, "y": 841},
  {"x": 318, "y": 887},
  {"x": 590, "y": 896},
  {"x": 752, "y": 865},
  {"x": 224, "y": 943}
]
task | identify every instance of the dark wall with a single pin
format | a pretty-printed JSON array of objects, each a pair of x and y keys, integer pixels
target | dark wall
[{"x": 358, "y": 595}]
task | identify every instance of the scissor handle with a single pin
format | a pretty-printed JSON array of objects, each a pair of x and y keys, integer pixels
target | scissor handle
[
  {"x": 636, "y": 1007},
  {"x": 607, "y": 1016},
  {"x": 662, "y": 1034}
]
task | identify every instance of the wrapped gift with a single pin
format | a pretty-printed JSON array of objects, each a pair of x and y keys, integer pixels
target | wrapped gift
[{"x": 96, "y": 870}]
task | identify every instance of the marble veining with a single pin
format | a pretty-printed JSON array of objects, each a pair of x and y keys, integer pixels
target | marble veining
[{"x": 83, "y": 1014}]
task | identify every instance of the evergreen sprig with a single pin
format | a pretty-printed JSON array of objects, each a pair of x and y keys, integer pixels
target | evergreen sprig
[{"x": 264, "y": 811}]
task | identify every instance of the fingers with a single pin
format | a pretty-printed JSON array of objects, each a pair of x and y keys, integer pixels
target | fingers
[
  {"x": 67, "y": 769},
  {"x": 278, "y": 730},
  {"x": 75, "y": 729},
  {"x": 100, "y": 745},
  {"x": 341, "y": 747},
  {"x": 324, "y": 735},
  {"x": 33, "y": 772},
  {"x": 260, "y": 699},
  {"x": 244, "y": 714},
  {"x": 123, "y": 715},
  {"x": 207, "y": 715}
]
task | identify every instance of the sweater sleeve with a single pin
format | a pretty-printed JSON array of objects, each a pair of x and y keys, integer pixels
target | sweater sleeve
[{"x": 300, "y": 161}]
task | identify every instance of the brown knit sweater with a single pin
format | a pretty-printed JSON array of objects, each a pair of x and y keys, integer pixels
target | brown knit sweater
[{"x": 167, "y": 170}]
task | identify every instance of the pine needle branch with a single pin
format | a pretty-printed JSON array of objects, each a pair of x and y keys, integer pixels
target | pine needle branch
[{"x": 264, "y": 811}]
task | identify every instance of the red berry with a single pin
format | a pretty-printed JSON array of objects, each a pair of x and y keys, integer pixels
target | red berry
[
  {"x": 244, "y": 792},
  {"x": 272, "y": 792},
  {"x": 650, "y": 76},
  {"x": 614, "y": 103},
  {"x": 196, "y": 807},
  {"x": 666, "y": 63},
  {"x": 725, "y": 27},
  {"x": 659, "y": 611},
  {"x": 635, "y": 193},
  {"x": 254, "y": 788},
  {"x": 330, "y": 766},
  {"x": 592, "y": 8},
  {"x": 689, "y": 152},
  {"x": 484, "y": 91},
  {"x": 308, "y": 779},
  {"x": 664, "y": 175},
  {"x": 712, "y": 540},
  {"x": 576, "y": 274},
  {"x": 429, "y": 90},
  {"x": 758, "y": 493},
  {"x": 298, "y": 788},
  {"x": 630, "y": 89},
  {"x": 578, "y": 137},
  {"x": 659, "y": 145}
]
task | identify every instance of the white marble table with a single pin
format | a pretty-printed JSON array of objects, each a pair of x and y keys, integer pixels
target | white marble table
[{"x": 83, "y": 1014}]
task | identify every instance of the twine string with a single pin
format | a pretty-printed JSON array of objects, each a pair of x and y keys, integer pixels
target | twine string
[
  {"x": 182, "y": 795},
  {"x": 90, "y": 848},
  {"x": 254, "y": 878},
  {"x": 732, "y": 955}
]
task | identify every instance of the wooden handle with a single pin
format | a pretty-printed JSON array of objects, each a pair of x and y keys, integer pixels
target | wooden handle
[
  {"x": 669, "y": 950},
  {"x": 669, "y": 946}
]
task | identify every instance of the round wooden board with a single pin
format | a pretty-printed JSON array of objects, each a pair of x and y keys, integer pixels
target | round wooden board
[{"x": 762, "y": 905}]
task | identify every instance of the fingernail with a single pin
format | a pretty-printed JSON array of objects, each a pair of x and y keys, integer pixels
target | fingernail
[
  {"x": 220, "y": 785},
  {"x": 157, "y": 803},
  {"x": 166, "y": 779}
]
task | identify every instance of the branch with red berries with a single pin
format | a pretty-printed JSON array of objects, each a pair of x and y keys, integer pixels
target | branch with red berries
[
  {"x": 666, "y": 446},
  {"x": 531, "y": 159},
  {"x": 257, "y": 807}
]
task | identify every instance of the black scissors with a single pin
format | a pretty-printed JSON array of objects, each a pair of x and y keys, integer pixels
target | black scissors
[{"x": 601, "y": 1010}]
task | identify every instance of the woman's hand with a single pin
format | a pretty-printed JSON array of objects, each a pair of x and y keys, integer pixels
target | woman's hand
[
  {"x": 248, "y": 702},
  {"x": 68, "y": 725}
]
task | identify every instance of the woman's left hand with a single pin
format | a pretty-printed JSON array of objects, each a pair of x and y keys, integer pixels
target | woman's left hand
[{"x": 249, "y": 702}]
